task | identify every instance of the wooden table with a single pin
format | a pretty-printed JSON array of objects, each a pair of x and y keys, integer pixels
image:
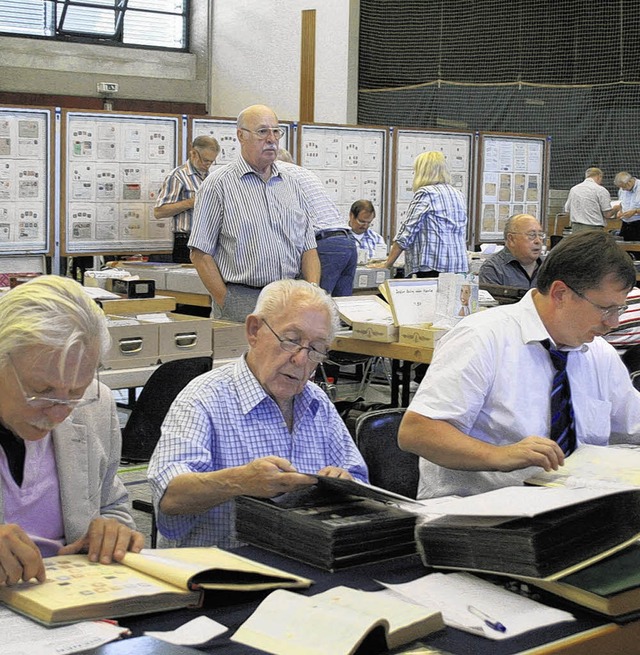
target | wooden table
[{"x": 401, "y": 355}]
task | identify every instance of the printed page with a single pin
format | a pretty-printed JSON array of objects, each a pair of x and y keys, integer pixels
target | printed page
[
  {"x": 22, "y": 636},
  {"x": 466, "y": 600},
  {"x": 595, "y": 466}
]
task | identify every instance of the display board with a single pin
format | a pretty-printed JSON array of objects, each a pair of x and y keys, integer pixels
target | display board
[
  {"x": 351, "y": 162},
  {"x": 113, "y": 166},
  {"x": 224, "y": 130},
  {"x": 457, "y": 148},
  {"x": 26, "y": 189},
  {"x": 512, "y": 179}
]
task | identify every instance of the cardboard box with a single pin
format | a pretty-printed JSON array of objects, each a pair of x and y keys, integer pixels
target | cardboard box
[
  {"x": 370, "y": 318},
  {"x": 155, "y": 272},
  {"x": 134, "y": 343},
  {"x": 229, "y": 339},
  {"x": 422, "y": 335},
  {"x": 369, "y": 278},
  {"x": 186, "y": 280},
  {"x": 184, "y": 336}
]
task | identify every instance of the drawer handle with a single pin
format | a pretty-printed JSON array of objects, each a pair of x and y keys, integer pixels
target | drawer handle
[
  {"x": 186, "y": 339},
  {"x": 130, "y": 346}
]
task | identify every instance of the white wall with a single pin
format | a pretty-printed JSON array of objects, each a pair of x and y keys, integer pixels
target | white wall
[
  {"x": 255, "y": 57},
  {"x": 58, "y": 68}
]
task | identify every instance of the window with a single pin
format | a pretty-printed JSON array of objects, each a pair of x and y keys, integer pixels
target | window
[{"x": 149, "y": 23}]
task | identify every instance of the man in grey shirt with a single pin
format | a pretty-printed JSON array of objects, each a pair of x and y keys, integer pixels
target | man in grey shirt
[{"x": 517, "y": 264}]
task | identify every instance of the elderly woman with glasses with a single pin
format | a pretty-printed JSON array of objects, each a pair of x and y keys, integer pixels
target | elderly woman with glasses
[{"x": 59, "y": 433}]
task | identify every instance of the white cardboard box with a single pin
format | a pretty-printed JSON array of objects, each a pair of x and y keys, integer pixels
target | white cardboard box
[
  {"x": 369, "y": 316},
  {"x": 184, "y": 336},
  {"x": 186, "y": 280},
  {"x": 229, "y": 339},
  {"x": 369, "y": 278},
  {"x": 134, "y": 343}
]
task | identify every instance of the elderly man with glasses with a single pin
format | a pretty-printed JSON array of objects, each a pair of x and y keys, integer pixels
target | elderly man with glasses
[
  {"x": 256, "y": 426},
  {"x": 517, "y": 264},
  {"x": 251, "y": 222},
  {"x": 516, "y": 388},
  {"x": 177, "y": 195},
  {"x": 59, "y": 433}
]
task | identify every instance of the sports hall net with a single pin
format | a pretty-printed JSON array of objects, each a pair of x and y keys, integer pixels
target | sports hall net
[{"x": 565, "y": 68}]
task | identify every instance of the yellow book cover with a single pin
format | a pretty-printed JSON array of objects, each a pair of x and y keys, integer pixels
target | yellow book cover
[{"x": 151, "y": 581}]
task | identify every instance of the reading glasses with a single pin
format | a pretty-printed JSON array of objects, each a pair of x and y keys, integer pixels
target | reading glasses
[
  {"x": 265, "y": 132},
  {"x": 44, "y": 402},
  {"x": 607, "y": 312},
  {"x": 316, "y": 354},
  {"x": 532, "y": 235}
]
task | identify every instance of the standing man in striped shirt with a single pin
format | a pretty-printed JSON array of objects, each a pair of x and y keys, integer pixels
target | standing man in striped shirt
[
  {"x": 251, "y": 222},
  {"x": 178, "y": 193}
]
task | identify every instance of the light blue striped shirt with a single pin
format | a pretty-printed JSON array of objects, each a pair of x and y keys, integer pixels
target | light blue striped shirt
[
  {"x": 324, "y": 212},
  {"x": 255, "y": 231},
  {"x": 225, "y": 418},
  {"x": 433, "y": 235}
]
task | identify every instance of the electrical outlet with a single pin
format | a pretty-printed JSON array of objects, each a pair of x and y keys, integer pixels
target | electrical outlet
[{"x": 107, "y": 87}]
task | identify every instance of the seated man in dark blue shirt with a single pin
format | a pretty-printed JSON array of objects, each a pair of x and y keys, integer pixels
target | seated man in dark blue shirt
[{"x": 517, "y": 264}]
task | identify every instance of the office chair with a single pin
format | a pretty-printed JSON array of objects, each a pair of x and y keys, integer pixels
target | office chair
[
  {"x": 631, "y": 359},
  {"x": 389, "y": 467},
  {"x": 142, "y": 430}
]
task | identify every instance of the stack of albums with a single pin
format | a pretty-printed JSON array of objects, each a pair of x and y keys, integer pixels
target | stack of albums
[{"x": 329, "y": 525}]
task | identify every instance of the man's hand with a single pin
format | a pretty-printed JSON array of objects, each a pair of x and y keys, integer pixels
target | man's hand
[
  {"x": 269, "y": 476},
  {"x": 335, "y": 472},
  {"x": 105, "y": 541},
  {"x": 531, "y": 451},
  {"x": 20, "y": 558}
]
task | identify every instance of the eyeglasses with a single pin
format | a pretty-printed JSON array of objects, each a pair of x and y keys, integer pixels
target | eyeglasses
[
  {"x": 316, "y": 354},
  {"x": 265, "y": 132},
  {"x": 533, "y": 235},
  {"x": 206, "y": 162},
  {"x": 42, "y": 402},
  {"x": 607, "y": 312},
  {"x": 363, "y": 222}
]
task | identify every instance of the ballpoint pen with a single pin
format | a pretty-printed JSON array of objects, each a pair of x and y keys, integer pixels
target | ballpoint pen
[{"x": 488, "y": 621}]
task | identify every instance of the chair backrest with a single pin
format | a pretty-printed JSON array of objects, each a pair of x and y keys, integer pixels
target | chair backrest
[
  {"x": 142, "y": 430},
  {"x": 631, "y": 359},
  {"x": 389, "y": 467}
]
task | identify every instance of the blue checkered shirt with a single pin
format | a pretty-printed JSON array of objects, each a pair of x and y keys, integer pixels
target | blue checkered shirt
[
  {"x": 433, "y": 235},
  {"x": 225, "y": 418},
  {"x": 368, "y": 241}
]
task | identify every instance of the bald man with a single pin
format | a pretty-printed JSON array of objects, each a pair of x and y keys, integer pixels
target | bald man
[
  {"x": 251, "y": 222},
  {"x": 517, "y": 264}
]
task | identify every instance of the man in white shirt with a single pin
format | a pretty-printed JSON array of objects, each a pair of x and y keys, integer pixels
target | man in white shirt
[
  {"x": 481, "y": 418},
  {"x": 629, "y": 208},
  {"x": 589, "y": 203}
]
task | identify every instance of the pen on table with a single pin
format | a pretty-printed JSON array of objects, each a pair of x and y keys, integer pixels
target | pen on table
[{"x": 488, "y": 621}]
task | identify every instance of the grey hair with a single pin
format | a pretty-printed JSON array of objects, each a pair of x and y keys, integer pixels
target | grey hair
[
  {"x": 593, "y": 172},
  {"x": 54, "y": 312},
  {"x": 282, "y": 296},
  {"x": 622, "y": 178}
]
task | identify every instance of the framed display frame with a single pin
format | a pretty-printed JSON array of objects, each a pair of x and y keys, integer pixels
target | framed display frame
[
  {"x": 351, "y": 162},
  {"x": 113, "y": 166},
  {"x": 512, "y": 178},
  {"x": 27, "y": 193},
  {"x": 458, "y": 149}
]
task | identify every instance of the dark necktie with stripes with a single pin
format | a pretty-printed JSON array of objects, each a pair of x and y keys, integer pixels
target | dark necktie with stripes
[{"x": 562, "y": 429}]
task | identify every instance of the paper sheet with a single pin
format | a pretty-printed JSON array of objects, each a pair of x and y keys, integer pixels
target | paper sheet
[
  {"x": 193, "y": 633},
  {"x": 453, "y": 593}
]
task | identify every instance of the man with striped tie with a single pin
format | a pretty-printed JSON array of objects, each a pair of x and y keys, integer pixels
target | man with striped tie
[
  {"x": 517, "y": 388},
  {"x": 251, "y": 223}
]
